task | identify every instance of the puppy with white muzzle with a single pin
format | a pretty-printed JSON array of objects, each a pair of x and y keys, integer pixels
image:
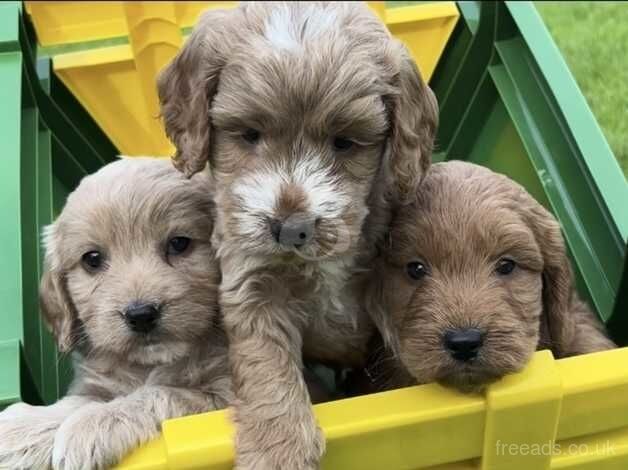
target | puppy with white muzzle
[
  {"x": 473, "y": 279},
  {"x": 130, "y": 287},
  {"x": 314, "y": 121}
]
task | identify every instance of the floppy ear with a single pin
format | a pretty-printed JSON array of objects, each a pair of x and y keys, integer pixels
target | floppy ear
[
  {"x": 186, "y": 87},
  {"x": 376, "y": 302},
  {"x": 55, "y": 304},
  {"x": 414, "y": 122},
  {"x": 57, "y": 309},
  {"x": 558, "y": 326}
]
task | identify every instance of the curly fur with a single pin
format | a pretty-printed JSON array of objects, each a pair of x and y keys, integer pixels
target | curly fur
[
  {"x": 299, "y": 75},
  {"x": 466, "y": 218}
]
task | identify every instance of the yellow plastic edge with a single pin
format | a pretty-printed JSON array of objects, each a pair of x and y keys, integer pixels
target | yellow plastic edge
[{"x": 428, "y": 425}]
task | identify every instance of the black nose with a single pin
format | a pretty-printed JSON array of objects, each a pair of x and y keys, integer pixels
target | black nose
[
  {"x": 296, "y": 231},
  {"x": 463, "y": 344},
  {"x": 142, "y": 317}
]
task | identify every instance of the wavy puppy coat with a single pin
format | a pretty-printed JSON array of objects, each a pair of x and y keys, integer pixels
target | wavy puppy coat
[
  {"x": 130, "y": 287},
  {"x": 474, "y": 278},
  {"x": 313, "y": 120}
]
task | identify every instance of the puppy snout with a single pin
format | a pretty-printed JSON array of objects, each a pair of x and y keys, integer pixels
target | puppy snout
[
  {"x": 142, "y": 317},
  {"x": 294, "y": 232},
  {"x": 463, "y": 344}
]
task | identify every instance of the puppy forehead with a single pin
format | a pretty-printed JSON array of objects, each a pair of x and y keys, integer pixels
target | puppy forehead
[
  {"x": 460, "y": 216},
  {"x": 306, "y": 60},
  {"x": 289, "y": 26},
  {"x": 131, "y": 202}
]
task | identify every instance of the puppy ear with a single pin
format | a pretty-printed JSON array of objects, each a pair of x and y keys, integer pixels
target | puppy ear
[
  {"x": 376, "y": 302},
  {"x": 55, "y": 304},
  {"x": 414, "y": 122},
  {"x": 558, "y": 326},
  {"x": 186, "y": 87}
]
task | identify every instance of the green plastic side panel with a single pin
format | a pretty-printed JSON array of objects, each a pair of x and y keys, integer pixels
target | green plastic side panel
[
  {"x": 48, "y": 143},
  {"x": 596, "y": 153},
  {"x": 9, "y": 12},
  {"x": 29, "y": 234},
  {"x": 11, "y": 293},
  {"x": 619, "y": 321},
  {"x": 9, "y": 372}
]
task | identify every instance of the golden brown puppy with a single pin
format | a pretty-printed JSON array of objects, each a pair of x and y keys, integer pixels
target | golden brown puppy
[
  {"x": 473, "y": 279},
  {"x": 130, "y": 287},
  {"x": 313, "y": 120}
]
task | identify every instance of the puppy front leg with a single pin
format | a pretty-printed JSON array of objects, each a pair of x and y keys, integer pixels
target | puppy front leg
[
  {"x": 27, "y": 432},
  {"x": 275, "y": 426},
  {"x": 100, "y": 434}
]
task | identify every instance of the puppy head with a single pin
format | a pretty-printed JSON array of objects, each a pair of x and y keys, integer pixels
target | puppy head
[
  {"x": 471, "y": 275},
  {"x": 299, "y": 108},
  {"x": 129, "y": 269}
]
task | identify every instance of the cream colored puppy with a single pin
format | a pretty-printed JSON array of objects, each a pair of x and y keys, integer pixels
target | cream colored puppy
[{"x": 130, "y": 287}]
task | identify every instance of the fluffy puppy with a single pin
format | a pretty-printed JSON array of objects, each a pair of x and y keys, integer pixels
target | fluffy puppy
[
  {"x": 313, "y": 120},
  {"x": 475, "y": 278},
  {"x": 130, "y": 287}
]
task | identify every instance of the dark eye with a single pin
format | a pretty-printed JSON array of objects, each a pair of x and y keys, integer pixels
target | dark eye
[
  {"x": 416, "y": 270},
  {"x": 178, "y": 245},
  {"x": 251, "y": 136},
  {"x": 342, "y": 144},
  {"x": 505, "y": 266},
  {"x": 92, "y": 260}
]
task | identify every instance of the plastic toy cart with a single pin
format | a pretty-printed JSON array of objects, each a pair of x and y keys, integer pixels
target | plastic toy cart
[{"x": 507, "y": 101}]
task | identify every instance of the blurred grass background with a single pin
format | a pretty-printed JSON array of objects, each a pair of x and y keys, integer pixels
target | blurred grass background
[{"x": 593, "y": 38}]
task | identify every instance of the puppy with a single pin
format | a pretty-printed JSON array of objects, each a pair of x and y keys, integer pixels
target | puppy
[
  {"x": 314, "y": 122},
  {"x": 475, "y": 278},
  {"x": 130, "y": 287}
]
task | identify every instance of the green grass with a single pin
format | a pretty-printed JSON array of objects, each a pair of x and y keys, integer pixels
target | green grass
[{"x": 593, "y": 38}]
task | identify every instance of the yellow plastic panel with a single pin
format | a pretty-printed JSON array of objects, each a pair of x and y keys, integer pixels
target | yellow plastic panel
[
  {"x": 401, "y": 429},
  {"x": 430, "y": 427},
  {"x": 69, "y": 22},
  {"x": 107, "y": 84},
  {"x": 155, "y": 38},
  {"x": 425, "y": 30},
  {"x": 379, "y": 8},
  {"x": 604, "y": 451},
  {"x": 117, "y": 84},
  {"x": 152, "y": 456},
  {"x": 521, "y": 414},
  {"x": 596, "y": 393}
]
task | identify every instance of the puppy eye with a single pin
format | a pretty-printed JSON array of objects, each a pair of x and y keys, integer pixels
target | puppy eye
[
  {"x": 505, "y": 266},
  {"x": 342, "y": 144},
  {"x": 178, "y": 245},
  {"x": 416, "y": 270},
  {"x": 92, "y": 260},
  {"x": 251, "y": 136}
]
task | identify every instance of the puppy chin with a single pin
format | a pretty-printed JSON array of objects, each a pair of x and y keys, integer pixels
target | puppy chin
[
  {"x": 158, "y": 353},
  {"x": 473, "y": 378},
  {"x": 468, "y": 382}
]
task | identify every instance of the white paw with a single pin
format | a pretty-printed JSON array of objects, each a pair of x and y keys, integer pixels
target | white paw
[
  {"x": 97, "y": 436},
  {"x": 26, "y": 437}
]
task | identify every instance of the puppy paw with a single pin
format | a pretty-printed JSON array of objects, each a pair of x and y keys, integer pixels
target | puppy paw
[
  {"x": 98, "y": 436},
  {"x": 26, "y": 437}
]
